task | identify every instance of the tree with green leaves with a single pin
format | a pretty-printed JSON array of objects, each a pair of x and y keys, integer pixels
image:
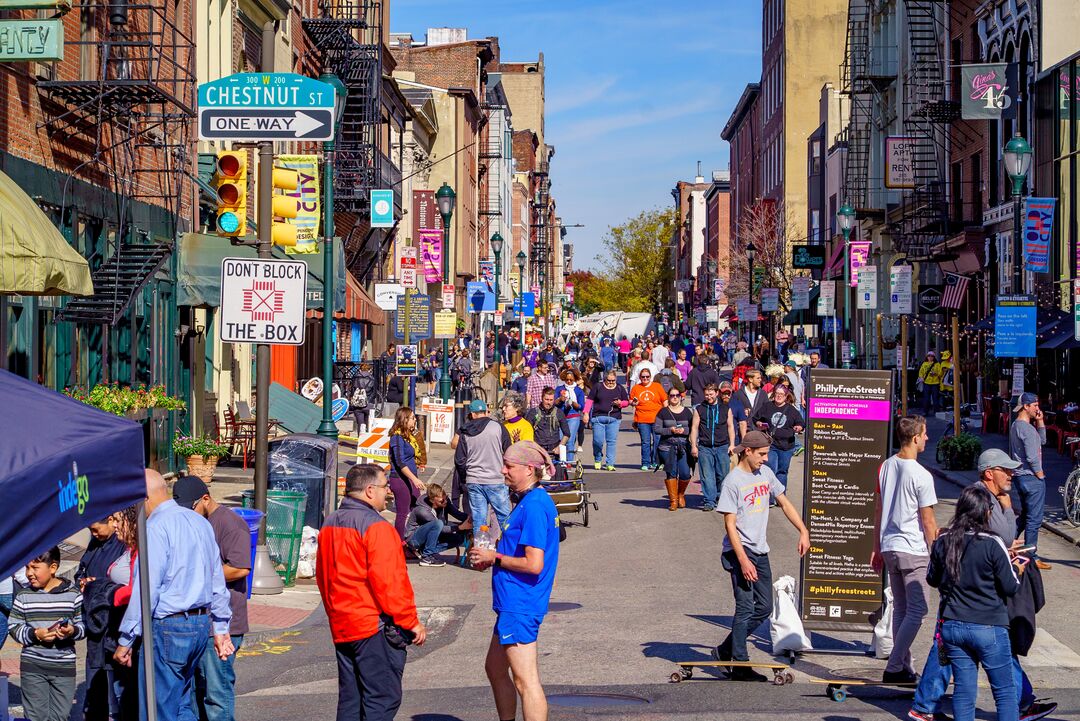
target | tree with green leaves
[{"x": 636, "y": 263}]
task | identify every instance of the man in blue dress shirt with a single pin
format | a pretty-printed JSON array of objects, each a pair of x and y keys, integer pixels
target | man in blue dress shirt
[{"x": 188, "y": 597}]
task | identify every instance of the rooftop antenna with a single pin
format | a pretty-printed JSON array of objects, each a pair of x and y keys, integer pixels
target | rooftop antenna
[{"x": 699, "y": 178}]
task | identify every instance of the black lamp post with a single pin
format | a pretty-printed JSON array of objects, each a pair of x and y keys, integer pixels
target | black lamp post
[
  {"x": 496, "y": 247},
  {"x": 750, "y": 252},
  {"x": 445, "y": 198}
]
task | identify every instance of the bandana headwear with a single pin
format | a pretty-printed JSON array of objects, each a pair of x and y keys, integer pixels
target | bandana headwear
[{"x": 529, "y": 453}]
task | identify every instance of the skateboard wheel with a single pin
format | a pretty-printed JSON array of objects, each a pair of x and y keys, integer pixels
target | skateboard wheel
[
  {"x": 837, "y": 693},
  {"x": 676, "y": 677},
  {"x": 778, "y": 679},
  {"x": 789, "y": 677}
]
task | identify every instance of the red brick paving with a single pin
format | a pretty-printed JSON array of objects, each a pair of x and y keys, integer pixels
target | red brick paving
[{"x": 276, "y": 617}]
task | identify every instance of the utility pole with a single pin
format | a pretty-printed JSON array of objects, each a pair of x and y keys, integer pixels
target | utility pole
[{"x": 265, "y": 579}]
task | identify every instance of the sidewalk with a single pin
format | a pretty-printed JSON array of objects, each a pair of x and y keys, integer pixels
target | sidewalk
[{"x": 1057, "y": 468}]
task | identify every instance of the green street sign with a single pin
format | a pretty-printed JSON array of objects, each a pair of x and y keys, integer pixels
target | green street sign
[
  {"x": 61, "y": 6},
  {"x": 31, "y": 40}
]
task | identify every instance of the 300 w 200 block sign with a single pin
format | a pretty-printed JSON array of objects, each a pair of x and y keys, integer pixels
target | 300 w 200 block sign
[{"x": 263, "y": 301}]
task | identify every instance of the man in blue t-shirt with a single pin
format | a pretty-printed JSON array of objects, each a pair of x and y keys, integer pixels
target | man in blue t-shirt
[{"x": 524, "y": 561}]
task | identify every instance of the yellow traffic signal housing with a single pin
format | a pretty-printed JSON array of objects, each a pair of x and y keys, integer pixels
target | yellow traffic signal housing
[
  {"x": 284, "y": 207},
  {"x": 230, "y": 183}
]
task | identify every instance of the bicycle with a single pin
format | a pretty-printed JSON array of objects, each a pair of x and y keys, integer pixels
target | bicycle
[{"x": 1070, "y": 492}]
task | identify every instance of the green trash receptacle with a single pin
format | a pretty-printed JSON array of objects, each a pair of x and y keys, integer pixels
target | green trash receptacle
[{"x": 284, "y": 528}]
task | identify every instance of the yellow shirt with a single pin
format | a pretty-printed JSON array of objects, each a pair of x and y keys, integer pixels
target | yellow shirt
[
  {"x": 520, "y": 430},
  {"x": 931, "y": 372}
]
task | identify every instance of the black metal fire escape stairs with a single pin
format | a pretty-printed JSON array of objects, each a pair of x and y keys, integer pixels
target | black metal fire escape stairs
[
  {"x": 928, "y": 112},
  {"x": 117, "y": 283}
]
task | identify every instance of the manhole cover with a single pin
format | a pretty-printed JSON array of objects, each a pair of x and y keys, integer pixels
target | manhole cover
[
  {"x": 592, "y": 700},
  {"x": 563, "y": 606}
]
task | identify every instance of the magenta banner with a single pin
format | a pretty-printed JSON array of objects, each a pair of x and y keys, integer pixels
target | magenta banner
[
  {"x": 862, "y": 410},
  {"x": 431, "y": 254},
  {"x": 859, "y": 256}
]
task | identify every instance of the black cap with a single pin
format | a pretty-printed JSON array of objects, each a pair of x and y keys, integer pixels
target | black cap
[{"x": 188, "y": 490}]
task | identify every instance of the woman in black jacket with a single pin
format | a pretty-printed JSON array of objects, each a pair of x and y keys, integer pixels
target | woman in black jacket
[
  {"x": 781, "y": 420},
  {"x": 972, "y": 569},
  {"x": 672, "y": 424}
]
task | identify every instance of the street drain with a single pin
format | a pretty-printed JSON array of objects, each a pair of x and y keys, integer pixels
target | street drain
[
  {"x": 563, "y": 606},
  {"x": 593, "y": 700}
]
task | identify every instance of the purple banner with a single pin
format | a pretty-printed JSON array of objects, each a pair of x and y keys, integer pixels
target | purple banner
[
  {"x": 431, "y": 254},
  {"x": 1038, "y": 224},
  {"x": 859, "y": 410},
  {"x": 859, "y": 256}
]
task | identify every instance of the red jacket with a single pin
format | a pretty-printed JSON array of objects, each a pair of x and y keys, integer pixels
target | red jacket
[{"x": 361, "y": 573}]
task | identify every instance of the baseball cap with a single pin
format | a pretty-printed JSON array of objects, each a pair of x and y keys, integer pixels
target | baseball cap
[
  {"x": 753, "y": 439},
  {"x": 1023, "y": 400},
  {"x": 478, "y": 406},
  {"x": 725, "y": 384},
  {"x": 996, "y": 458},
  {"x": 189, "y": 489}
]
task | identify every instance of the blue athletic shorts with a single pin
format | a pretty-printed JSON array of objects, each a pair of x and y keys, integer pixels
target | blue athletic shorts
[{"x": 514, "y": 628}]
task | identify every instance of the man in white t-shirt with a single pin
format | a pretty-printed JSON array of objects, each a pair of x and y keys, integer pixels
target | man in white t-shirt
[{"x": 904, "y": 530}]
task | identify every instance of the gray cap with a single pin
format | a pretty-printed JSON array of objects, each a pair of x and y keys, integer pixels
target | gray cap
[{"x": 996, "y": 458}]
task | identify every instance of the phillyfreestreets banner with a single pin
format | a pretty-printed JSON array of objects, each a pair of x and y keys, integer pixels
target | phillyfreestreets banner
[
  {"x": 1038, "y": 224},
  {"x": 847, "y": 439},
  {"x": 308, "y": 207}
]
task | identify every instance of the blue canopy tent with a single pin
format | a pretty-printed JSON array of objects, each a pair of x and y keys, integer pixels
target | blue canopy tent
[{"x": 64, "y": 465}]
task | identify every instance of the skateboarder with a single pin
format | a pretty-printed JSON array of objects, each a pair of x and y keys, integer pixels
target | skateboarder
[{"x": 744, "y": 501}]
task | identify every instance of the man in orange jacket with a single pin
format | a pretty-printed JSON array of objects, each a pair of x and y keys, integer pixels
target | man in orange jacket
[{"x": 368, "y": 598}]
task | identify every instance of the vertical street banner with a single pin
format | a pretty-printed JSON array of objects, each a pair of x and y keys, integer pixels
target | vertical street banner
[
  {"x": 988, "y": 91},
  {"x": 569, "y": 293},
  {"x": 867, "y": 290},
  {"x": 849, "y": 416},
  {"x": 1014, "y": 326},
  {"x": 308, "y": 202},
  {"x": 858, "y": 256},
  {"x": 770, "y": 300},
  {"x": 487, "y": 271},
  {"x": 1038, "y": 224},
  {"x": 431, "y": 254},
  {"x": 900, "y": 300},
  {"x": 800, "y": 293}
]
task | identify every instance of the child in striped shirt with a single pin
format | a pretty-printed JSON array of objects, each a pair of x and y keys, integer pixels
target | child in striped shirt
[{"x": 47, "y": 620}]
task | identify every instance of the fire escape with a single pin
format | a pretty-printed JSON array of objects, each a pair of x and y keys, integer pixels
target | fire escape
[
  {"x": 540, "y": 249},
  {"x": 131, "y": 111},
  {"x": 923, "y": 220},
  {"x": 491, "y": 158}
]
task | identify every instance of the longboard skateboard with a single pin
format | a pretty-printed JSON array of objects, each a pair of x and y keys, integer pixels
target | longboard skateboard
[
  {"x": 837, "y": 688},
  {"x": 781, "y": 672}
]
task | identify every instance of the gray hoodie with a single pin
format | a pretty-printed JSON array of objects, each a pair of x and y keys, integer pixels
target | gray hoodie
[{"x": 479, "y": 456}]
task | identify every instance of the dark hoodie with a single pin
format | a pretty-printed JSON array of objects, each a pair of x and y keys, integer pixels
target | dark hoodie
[
  {"x": 549, "y": 427},
  {"x": 479, "y": 455}
]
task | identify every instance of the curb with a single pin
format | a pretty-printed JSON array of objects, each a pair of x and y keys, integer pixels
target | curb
[{"x": 1069, "y": 535}]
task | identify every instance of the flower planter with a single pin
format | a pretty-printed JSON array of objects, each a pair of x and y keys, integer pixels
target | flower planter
[{"x": 204, "y": 469}]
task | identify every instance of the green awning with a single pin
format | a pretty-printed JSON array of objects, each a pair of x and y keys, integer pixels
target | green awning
[
  {"x": 35, "y": 259},
  {"x": 199, "y": 270}
]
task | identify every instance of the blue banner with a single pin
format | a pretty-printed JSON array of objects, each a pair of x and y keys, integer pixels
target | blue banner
[
  {"x": 1038, "y": 224},
  {"x": 1014, "y": 326},
  {"x": 479, "y": 297},
  {"x": 525, "y": 304}
]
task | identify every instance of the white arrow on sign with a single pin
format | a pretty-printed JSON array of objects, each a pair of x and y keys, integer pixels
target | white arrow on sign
[{"x": 265, "y": 124}]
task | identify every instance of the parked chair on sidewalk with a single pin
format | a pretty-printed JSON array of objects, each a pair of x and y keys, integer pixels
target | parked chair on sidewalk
[{"x": 238, "y": 435}]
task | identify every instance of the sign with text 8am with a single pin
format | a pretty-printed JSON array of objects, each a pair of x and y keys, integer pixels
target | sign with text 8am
[
  {"x": 266, "y": 106},
  {"x": 263, "y": 301}
]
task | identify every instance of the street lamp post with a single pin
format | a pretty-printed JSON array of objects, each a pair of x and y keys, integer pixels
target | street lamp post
[
  {"x": 845, "y": 218},
  {"x": 327, "y": 427},
  {"x": 445, "y": 198},
  {"x": 522, "y": 259},
  {"x": 496, "y": 247},
  {"x": 1017, "y": 157},
  {"x": 750, "y": 252}
]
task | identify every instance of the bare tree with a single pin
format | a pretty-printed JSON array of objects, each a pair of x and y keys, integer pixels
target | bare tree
[{"x": 767, "y": 226}]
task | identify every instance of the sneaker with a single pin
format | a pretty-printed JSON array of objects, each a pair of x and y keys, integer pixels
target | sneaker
[
  {"x": 597, "y": 465},
  {"x": 798, "y": 451},
  {"x": 707, "y": 507},
  {"x": 1038, "y": 710},
  {"x": 742, "y": 673},
  {"x": 609, "y": 468},
  {"x": 646, "y": 467},
  {"x": 902, "y": 676},
  {"x": 921, "y": 716},
  {"x": 432, "y": 561}
]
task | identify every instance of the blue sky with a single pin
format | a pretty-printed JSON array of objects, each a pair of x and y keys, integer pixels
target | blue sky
[{"x": 637, "y": 91}]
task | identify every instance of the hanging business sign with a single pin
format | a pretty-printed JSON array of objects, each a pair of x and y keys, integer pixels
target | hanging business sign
[
  {"x": 1014, "y": 326},
  {"x": 386, "y": 295},
  {"x": 1038, "y": 225},
  {"x": 382, "y": 209},
  {"x": 683, "y": 285},
  {"x": 930, "y": 297},
  {"x": 900, "y": 289},
  {"x": 770, "y": 300},
  {"x": 858, "y": 256},
  {"x": 37, "y": 40},
  {"x": 718, "y": 287},
  {"x": 900, "y": 162},
  {"x": 808, "y": 257},
  {"x": 419, "y": 317},
  {"x": 800, "y": 293},
  {"x": 263, "y": 301},
  {"x": 989, "y": 91},
  {"x": 570, "y": 293},
  {"x": 847, "y": 438},
  {"x": 867, "y": 290},
  {"x": 431, "y": 254}
]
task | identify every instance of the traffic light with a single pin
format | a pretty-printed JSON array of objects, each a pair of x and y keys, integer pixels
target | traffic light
[
  {"x": 230, "y": 182},
  {"x": 284, "y": 206}
]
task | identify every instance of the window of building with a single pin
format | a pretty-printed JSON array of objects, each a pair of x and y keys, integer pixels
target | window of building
[{"x": 815, "y": 226}]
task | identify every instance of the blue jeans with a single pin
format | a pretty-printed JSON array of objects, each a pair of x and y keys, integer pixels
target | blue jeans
[
  {"x": 605, "y": 431},
  {"x": 677, "y": 462},
  {"x": 1032, "y": 492},
  {"x": 571, "y": 445},
  {"x": 779, "y": 461},
  {"x": 715, "y": 465},
  {"x": 935, "y": 679},
  {"x": 425, "y": 539},
  {"x": 215, "y": 685},
  {"x": 970, "y": 645},
  {"x": 5, "y": 610},
  {"x": 179, "y": 644},
  {"x": 649, "y": 441},
  {"x": 930, "y": 397},
  {"x": 753, "y": 602},
  {"x": 481, "y": 495}
]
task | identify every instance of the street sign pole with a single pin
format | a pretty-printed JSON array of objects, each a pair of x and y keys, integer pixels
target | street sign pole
[
  {"x": 264, "y": 579},
  {"x": 327, "y": 427}
]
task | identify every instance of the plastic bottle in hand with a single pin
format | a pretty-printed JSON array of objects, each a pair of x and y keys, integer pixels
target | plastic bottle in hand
[{"x": 483, "y": 539}]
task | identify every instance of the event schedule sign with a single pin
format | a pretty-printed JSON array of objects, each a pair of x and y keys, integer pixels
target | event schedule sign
[{"x": 849, "y": 416}]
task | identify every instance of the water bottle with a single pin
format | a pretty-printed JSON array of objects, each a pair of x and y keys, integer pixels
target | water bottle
[{"x": 483, "y": 539}]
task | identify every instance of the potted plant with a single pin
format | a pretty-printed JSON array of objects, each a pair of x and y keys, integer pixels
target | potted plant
[
  {"x": 958, "y": 453},
  {"x": 201, "y": 453}
]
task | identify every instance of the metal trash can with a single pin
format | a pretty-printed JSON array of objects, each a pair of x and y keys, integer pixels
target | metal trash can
[
  {"x": 307, "y": 462},
  {"x": 284, "y": 528},
  {"x": 251, "y": 518}
]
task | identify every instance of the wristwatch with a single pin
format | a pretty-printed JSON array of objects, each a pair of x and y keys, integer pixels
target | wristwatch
[{"x": 498, "y": 560}]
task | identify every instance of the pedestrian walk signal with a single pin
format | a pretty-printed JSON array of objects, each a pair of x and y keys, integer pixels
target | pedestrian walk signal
[
  {"x": 230, "y": 184},
  {"x": 285, "y": 207}
]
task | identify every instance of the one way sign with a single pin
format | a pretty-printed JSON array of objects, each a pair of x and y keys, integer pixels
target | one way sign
[
  {"x": 266, "y": 106},
  {"x": 251, "y": 125}
]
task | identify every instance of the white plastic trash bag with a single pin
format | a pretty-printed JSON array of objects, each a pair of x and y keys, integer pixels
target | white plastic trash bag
[
  {"x": 883, "y": 641},
  {"x": 309, "y": 547},
  {"x": 785, "y": 626}
]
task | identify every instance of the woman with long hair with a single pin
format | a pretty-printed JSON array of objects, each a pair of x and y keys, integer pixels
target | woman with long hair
[
  {"x": 570, "y": 399},
  {"x": 972, "y": 569},
  {"x": 404, "y": 476}
]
